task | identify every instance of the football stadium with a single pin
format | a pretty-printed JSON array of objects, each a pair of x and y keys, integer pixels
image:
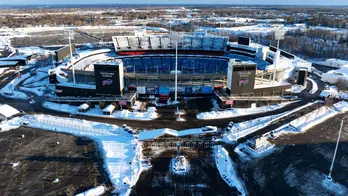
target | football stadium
[{"x": 176, "y": 65}]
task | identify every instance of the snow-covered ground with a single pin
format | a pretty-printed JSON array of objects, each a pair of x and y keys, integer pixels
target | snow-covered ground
[
  {"x": 297, "y": 88},
  {"x": 150, "y": 114},
  {"x": 10, "y": 124},
  {"x": 312, "y": 182},
  {"x": 39, "y": 76},
  {"x": 333, "y": 92},
  {"x": 33, "y": 50},
  {"x": 99, "y": 190},
  {"x": 226, "y": 169},
  {"x": 9, "y": 88},
  {"x": 120, "y": 150},
  {"x": 314, "y": 86},
  {"x": 39, "y": 91},
  {"x": 245, "y": 128},
  {"x": 312, "y": 119},
  {"x": 234, "y": 112}
]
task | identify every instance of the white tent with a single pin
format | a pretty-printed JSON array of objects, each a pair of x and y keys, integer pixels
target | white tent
[{"x": 8, "y": 111}]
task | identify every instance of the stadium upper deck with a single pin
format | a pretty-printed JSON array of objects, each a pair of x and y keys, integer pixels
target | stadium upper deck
[{"x": 126, "y": 45}]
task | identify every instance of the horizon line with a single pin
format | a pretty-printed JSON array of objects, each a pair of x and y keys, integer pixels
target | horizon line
[{"x": 169, "y": 4}]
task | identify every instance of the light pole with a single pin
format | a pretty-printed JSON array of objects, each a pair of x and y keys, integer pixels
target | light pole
[
  {"x": 279, "y": 35},
  {"x": 71, "y": 36},
  {"x": 176, "y": 70},
  {"x": 334, "y": 157}
]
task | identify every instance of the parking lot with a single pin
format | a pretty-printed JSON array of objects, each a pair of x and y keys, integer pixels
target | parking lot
[{"x": 31, "y": 160}]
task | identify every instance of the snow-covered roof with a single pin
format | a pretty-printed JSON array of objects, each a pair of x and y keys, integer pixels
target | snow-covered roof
[
  {"x": 333, "y": 75},
  {"x": 343, "y": 62},
  {"x": 8, "y": 63},
  {"x": 14, "y": 58},
  {"x": 8, "y": 111},
  {"x": 83, "y": 106},
  {"x": 109, "y": 108},
  {"x": 149, "y": 135}
]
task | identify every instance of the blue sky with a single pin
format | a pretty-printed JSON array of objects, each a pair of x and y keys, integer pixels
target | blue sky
[{"x": 274, "y": 2}]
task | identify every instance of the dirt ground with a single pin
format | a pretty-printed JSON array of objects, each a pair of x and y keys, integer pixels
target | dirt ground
[
  {"x": 74, "y": 161},
  {"x": 202, "y": 179},
  {"x": 300, "y": 163}
]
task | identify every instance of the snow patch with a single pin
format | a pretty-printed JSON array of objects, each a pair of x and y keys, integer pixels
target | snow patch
[
  {"x": 226, "y": 169},
  {"x": 234, "y": 112},
  {"x": 150, "y": 113}
]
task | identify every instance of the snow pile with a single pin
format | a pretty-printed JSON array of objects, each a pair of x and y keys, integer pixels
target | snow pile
[
  {"x": 15, "y": 164},
  {"x": 226, "y": 169},
  {"x": 150, "y": 113},
  {"x": 314, "y": 86},
  {"x": 234, "y": 112},
  {"x": 120, "y": 150},
  {"x": 331, "y": 91},
  {"x": 39, "y": 76},
  {"x": 9, "y": 92},
  {"x": 10, "y": 124},
  {"x": 297, "y": 88},
  {"x": 33, "y": 50},
  {"x": 341, "y": 106},
  {"x": 99, "y": 190},
  {"x": 343, "y": 95},
  {"x": 39, "y": 91},
  {"x": 40, "y": 83}
]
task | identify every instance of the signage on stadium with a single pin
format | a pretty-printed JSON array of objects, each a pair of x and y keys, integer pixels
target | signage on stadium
[
  {"x": 107, "y": 82},
  {"x": 243, "y": 81}
]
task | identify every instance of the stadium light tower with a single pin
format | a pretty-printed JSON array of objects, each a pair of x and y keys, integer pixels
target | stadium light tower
[
  {"x": 334, "y": 156},
  {"x": 176, "y": 70},
  {"x": 279, "y": 35},
  {"x": 71, "y": 36}
]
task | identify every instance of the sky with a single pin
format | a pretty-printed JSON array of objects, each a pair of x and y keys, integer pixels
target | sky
[{"x": 263, "y": 2}]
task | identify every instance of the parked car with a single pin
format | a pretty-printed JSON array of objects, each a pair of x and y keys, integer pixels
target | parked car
[
  {"x": 209, "y": 128},
  {"x": 25, "y": 123}
]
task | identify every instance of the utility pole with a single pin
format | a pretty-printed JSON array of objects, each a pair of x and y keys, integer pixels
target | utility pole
[{"x": 334, "y": 157}]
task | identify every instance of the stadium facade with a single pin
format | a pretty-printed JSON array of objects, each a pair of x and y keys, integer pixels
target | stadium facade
[{"x": 146, "y": 66}]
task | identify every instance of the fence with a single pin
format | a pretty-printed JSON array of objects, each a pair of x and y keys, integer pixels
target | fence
[
  {"x": 73, "y": 125},
  {"x": 190, "y": 144},
  {"x": 252, "y": 126}
]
